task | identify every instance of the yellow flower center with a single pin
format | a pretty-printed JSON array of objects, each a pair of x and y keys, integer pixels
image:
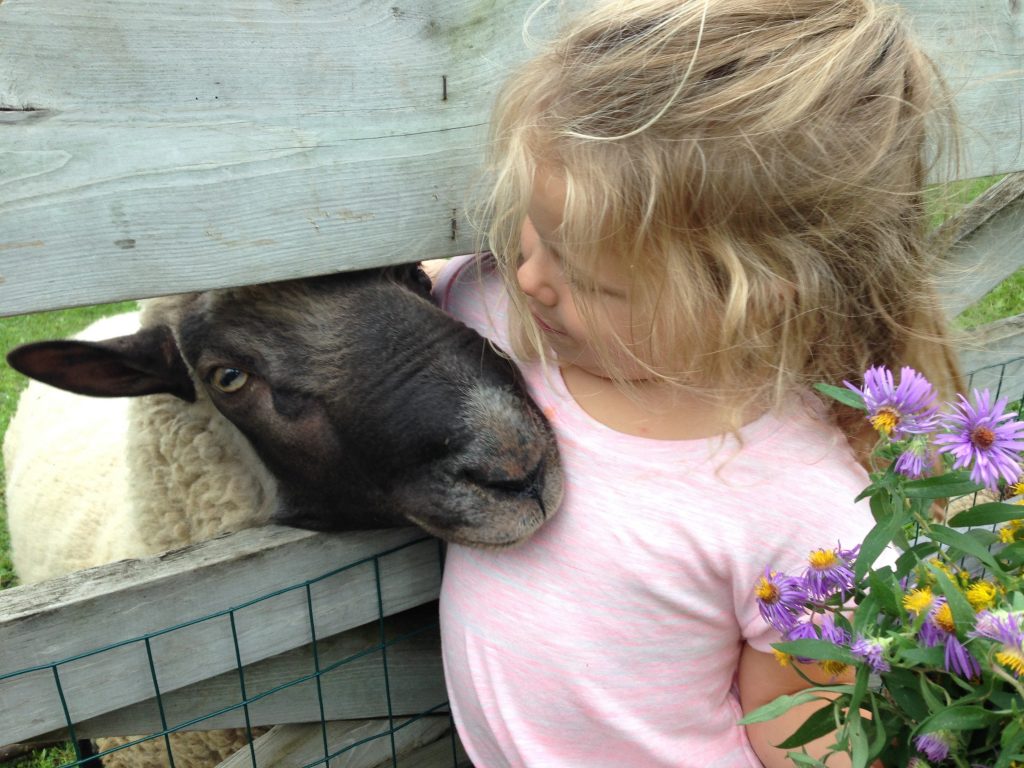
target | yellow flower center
[
  {"x": 1008, "y": 533},
  {"x": 822, "y": 559},
  {"x": 766, "y": 591},
  {"x": 944, "y": 618},
  {"x": 783, "y": 658},
  {"x": 832, "y": 667},
  {"x": 981, "y": 595},
  {"x": 944, "y": 567},
  {"x": 885, "y": 420},
  {"x": 1012, "y": 659},
  {"x": 983, "y": 437},
  {"x": 918, "y": 600}
]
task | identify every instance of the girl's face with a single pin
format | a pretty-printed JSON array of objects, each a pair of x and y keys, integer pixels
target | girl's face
[{"x": 552, "y": 295}]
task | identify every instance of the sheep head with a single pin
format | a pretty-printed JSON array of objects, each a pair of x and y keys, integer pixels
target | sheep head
[{"x": 369, "y": 405}]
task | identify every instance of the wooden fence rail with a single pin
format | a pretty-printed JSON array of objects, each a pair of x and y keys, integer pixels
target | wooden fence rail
[{"x": 153, "y": 148}]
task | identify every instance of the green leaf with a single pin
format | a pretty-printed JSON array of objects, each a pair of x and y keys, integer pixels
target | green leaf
[
  {"x": 843, "y": 395},
  {"x": 987, "y": 514},
  {"x": 902, "y": 685},
  {"x": 1012, "y": 737},
  {"x": 965, "y": 544},
  {"x": 1012, "y": 555},
  {"x": 877, "y": 540},
  {"x": 860, "y": 687},
  {"x": 859, "y": 751},
  {"x": 800, "y": 758},
  {"x": 779, "y": 706},
  {"x": 942, "y": 487},
  {"x": 958, "y": 719},
  {"x": 930, "y": 691},
  {"x": 963, "y": 614},
  {"x": 926, "y": 657},
  {"x": 821, "y": 723},
  {"x": 885, "y": 589},
  {"x": 865, "y": 618},
  {"x": 879, "y": 741},
  {"x": 816, "y": 649}
]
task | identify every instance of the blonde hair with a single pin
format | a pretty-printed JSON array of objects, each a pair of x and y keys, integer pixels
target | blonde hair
[{"x": 757, "y": 168}]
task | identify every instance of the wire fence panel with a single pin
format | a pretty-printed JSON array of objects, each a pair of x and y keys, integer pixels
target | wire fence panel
[{"x": 382, "y": 675}]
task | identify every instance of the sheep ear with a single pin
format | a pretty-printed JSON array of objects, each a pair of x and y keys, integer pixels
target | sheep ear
[{"x": 145, "y": 363}]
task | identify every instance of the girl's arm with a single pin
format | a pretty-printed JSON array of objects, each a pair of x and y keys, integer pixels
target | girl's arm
[{"x": 762, "y": 679}]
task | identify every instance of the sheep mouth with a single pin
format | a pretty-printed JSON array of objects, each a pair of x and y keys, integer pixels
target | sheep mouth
[
  {"x": 488, "y": 537},
  {"x": 493, "y": 513}
]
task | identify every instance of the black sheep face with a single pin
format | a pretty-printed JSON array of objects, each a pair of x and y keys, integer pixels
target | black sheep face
[{"x": 370, "y": 405}]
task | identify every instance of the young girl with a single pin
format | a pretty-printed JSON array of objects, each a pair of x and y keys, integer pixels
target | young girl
[{"x": 700, "y": 209}]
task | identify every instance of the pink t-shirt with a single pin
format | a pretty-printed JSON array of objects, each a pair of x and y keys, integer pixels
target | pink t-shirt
[{"x": 612, "y": 636}]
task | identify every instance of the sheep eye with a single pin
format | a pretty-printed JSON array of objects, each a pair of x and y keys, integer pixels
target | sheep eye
[{"x": 229, "y": 379}]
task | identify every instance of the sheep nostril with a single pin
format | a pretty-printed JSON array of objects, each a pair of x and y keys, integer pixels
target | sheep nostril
[{"x": 529, "y": 485}]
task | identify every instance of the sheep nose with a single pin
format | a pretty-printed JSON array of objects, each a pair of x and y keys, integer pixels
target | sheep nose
[{"x": 530, "y": 486}]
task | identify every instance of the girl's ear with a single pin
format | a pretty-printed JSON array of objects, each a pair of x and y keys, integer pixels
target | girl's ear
[{"x": 145, "y": 363}]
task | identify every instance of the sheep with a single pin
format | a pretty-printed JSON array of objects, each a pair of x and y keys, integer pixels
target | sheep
[{"x": 338, "y": 402}]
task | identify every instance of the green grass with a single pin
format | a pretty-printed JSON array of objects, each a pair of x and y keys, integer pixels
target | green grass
[
  {"x": 45, "y": 758},
  {"x": 1005, "y": 300},
  {"x": 19, "y": 330}
]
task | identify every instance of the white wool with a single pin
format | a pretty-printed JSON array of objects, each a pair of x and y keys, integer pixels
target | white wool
[
  {"x": 67, "y": 478},
  {"x": 94, "y": 480}
]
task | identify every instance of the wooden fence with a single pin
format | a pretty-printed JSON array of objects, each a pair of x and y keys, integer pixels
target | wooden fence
[{"x": 153, "y": 148}]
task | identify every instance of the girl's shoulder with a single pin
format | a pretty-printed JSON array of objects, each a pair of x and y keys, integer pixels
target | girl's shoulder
[
  {"x": 470, "y": 289},
  {"x": 800, "y": 446}
]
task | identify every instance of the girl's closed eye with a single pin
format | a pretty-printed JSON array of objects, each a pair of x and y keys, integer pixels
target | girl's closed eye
[{"x": 584, "y": 283}]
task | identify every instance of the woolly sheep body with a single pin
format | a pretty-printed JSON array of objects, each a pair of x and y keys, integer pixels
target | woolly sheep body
[
  {"x": 67, "y": 477},
  {"x": 97, "y": 480},
  {"x": 124, "y": 478}
]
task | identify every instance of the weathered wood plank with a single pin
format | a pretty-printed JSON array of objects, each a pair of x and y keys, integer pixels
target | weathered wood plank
[
  {"x": 194, "y": 144},
  {"x": 177, "y": 146},
  {"x": 995, "y": 353},
  {"x": 293, "y": 746},
  {"x": 185, "y": 207},
  {"x": 978, "y": 46},
  {"x": 438, "y": 754},
  {"x": 988, "y": 244},
  {"x": 362, "y": 676},
  {"x": 165, "y": 595}
]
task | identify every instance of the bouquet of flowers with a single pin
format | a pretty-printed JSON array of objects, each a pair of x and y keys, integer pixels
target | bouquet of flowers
[{"x": 933, "y": 641}]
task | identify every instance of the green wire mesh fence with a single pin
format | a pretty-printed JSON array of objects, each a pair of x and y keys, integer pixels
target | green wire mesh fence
[{"x": 352, "y": 674}]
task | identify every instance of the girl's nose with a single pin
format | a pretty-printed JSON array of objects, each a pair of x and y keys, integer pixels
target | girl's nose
[{"x": 536, "y": 281}]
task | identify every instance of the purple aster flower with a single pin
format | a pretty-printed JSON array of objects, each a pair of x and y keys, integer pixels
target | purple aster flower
[
  {"x": 1002, "y": 626},
  {"x": 915, "y": 458},
  {"x": 898, "y": 411},
  {"x": 802, "y": 630},
  {"x": 832, "y": 633},
  {"x": 959, "y": 660},
  {"x": 930, "y": 635},
  {"x": 1005, "y": 628},
  {"x": 939, "y": 629},
  {"x": 830, "y": 571},
  {"x": 871, "y": 652},
  {"x": 780, "y": 599},
  {"x": 982, "y": 435},
  {"x": 935, "y": 745}
]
